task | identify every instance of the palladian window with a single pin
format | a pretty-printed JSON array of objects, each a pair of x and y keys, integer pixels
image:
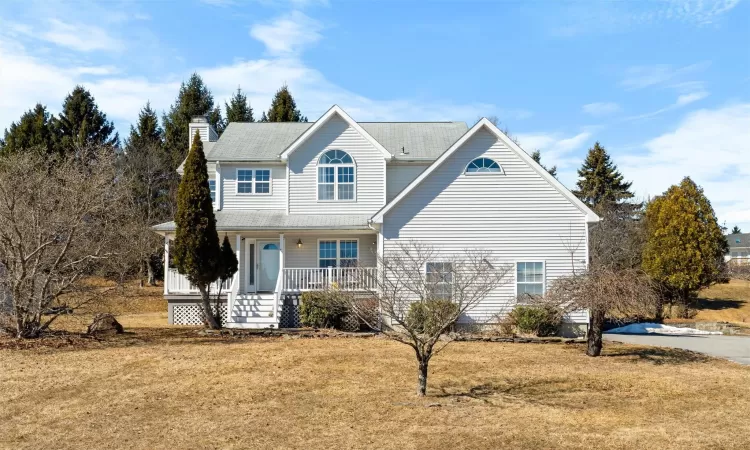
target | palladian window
[{"x": 336, "y": 174}]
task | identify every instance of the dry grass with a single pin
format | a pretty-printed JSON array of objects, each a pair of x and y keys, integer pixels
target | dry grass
[
  {"x": 725, "y": 303},
  {"x": 170, "y": 388}
]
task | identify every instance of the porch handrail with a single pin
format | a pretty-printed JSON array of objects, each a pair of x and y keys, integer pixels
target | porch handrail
[
  {"x": 178, "y": 283},
  {"x": 317, "y": 278}
]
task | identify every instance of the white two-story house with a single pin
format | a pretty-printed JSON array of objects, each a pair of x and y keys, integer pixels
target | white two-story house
[{"x": 303, "y": 203}]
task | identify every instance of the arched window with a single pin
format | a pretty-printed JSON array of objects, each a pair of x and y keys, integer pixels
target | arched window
[
  {"x": 336, "y": 173},
  {"x": 483, "y": 165}
]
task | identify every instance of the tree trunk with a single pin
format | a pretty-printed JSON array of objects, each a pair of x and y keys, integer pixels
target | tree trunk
[
  {"x": 422, "y": 386},
  {"x": 207, "y": 312},
  {"x": 594, "y": 347},
  {"x": 150, "y": 273}
]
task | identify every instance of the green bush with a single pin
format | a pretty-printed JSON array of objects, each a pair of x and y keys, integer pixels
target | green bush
[
  {"x": 430, "y": 315},
  {"x": 538, "y": 320},
  {"x": 323, "y": 309}
]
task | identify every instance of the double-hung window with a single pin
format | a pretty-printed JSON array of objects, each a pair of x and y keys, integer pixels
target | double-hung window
[
  {"x": 530, "y": 278},
  {"x": 336, "y": 176},
  {"x": 338, "y": 252},
  {"x": 253, "y": 181},
  {"x": 212, "y": 188},
  {"x": 439, "y": 278}
]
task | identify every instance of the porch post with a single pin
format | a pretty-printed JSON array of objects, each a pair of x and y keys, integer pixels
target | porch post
[
  {"x": 166, "y": 264},
  {"x": 240, "y": 265},
  {"x": 282, "y": 254}
]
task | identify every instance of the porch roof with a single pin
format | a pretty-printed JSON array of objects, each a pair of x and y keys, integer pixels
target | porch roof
[{"x": 243, "y": 220}]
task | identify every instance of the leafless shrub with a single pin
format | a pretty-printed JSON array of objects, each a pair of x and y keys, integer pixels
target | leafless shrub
[
  {"x": 738, "y": 270},
  {"x": 415, "y": 286},
  {"x": 60, "y": 220},
  {"x": 603, "y": 291}
]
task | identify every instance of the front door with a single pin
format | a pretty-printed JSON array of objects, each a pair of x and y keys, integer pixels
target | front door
[{"x": 268, "y": 265}]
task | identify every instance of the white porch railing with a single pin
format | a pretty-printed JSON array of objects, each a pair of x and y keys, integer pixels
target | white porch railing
[
  {"x": 344, "y": 278},
  {"x": 178, "y": 284}
]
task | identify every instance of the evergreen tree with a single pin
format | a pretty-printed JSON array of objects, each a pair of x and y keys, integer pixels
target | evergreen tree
[
  {"x": 147, "y": 133},
  {"x": 81, "y": 124},
  {"x": 600, "y": 182},
  {"x": 197, "y": 253},
  {"x": 194, "y": 99},
  {"x": 283, "y": 108},
  {"x": 537, "y": 157},
  {"x": 33, "y": 130},
  {"x": 736, "y": 230},
  {"x": 685, "y": 246},
  {"x": 238, "y": 109}
]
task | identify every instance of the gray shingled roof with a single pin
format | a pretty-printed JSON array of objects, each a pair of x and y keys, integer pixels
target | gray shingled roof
[
  {"x": 266, "y": 141},
  {"x": 256, "y": 141},
  {"x": 420, "y": 140},
  {"x": 238, "y": 220},
  {"x": 744, "y": 239}
]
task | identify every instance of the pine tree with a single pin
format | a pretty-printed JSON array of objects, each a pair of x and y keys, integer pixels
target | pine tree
[
  {"x": 736, "y": 230},
  {"x": 283, "y": 108},
  {"x": 33, "y": 130},
  {"x": 238, "y": 109},
  {"x": 194, "y": 99},
  {"x": 684, "y": 243},
  {"x": 81, "y": 124},
  {"x": 600, "y": 183},
  {"x": 537, "y": 157},
  {"x": 147, "y": 133},
  {"x": 197, "y": 254}
]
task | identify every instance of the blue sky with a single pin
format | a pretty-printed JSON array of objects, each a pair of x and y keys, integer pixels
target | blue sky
[{"x": 663, "y": 85}]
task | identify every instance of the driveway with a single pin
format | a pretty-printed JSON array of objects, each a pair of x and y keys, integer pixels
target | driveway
[{"x": 735, "y": 348}]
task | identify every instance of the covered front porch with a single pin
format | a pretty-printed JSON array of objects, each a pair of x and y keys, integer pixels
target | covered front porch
[{"x": 273, "y": 269}]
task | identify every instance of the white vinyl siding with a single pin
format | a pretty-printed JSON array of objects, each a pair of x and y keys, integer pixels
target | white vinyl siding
[
  {"x": 308, "y": 255},
  {"x": 275, "y": 199},
  {"x": 400, "y": 175},
  {"x": 517, "y": 215},
  {"x": 369, "y": 182}
]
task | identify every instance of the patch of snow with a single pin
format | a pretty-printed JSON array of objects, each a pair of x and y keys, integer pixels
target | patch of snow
[{"x": 658, "y": 328}]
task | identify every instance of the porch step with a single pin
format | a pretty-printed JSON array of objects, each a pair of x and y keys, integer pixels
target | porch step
[{"x": 248, "y": 309}]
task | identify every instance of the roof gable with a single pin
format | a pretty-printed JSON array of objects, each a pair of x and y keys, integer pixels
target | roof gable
[
  {"x": 335, "y": 110},
  {"x": 486, "y": 124}
]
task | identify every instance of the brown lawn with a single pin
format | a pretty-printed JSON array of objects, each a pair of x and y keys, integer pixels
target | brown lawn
[
  {"x": 171, "y": 388},
  {"x": 725, "y": 303},
  {"x": 161, "y": 387}
]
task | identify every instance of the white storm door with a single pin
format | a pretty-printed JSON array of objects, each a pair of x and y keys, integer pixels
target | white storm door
[{"x": 268, "y": 267}]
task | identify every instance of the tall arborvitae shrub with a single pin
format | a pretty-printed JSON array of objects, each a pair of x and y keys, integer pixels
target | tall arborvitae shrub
[{"x": 197, "y": 254}]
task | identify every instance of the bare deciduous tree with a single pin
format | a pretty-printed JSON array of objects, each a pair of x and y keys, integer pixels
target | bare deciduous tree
[
  {"x": 603, "y": 291},
  {"x": 422, "y": 292},
  {"x": 60, "y": 220}
]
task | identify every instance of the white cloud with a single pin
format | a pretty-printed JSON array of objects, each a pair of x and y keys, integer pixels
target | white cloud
[
  {"x": 640, "y": 77},
  {"x": 682, "y": 100},
  {"x": 599, "y": 109},
  {"x": 557, "y": 150},
  {"x": 710, "y": 147},
  {"x": 79, "y": 37},
  {"x": 26, "y": 79},
  {"x": 579, "y": 18},
  {"x": 289, "y": 34}
]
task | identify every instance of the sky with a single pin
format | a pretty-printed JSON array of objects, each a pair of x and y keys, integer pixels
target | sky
[{"x": 664, "y": 86}]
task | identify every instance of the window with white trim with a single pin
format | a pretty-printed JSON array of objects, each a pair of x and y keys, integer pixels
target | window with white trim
[
  {"x": 439, "y": 280},
  {"x": 338, "y": 252},
  {"x": 483, "y": 165},
  {"x": 212, "y": 188},
  {"x": 336, "y": 175},
  {"x": 253, "y": 181},
  {"x": 530, "y": 278}
]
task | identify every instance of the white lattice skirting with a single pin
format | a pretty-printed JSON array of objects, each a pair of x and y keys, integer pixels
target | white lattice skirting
[{"x": 192, "y": 314}]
